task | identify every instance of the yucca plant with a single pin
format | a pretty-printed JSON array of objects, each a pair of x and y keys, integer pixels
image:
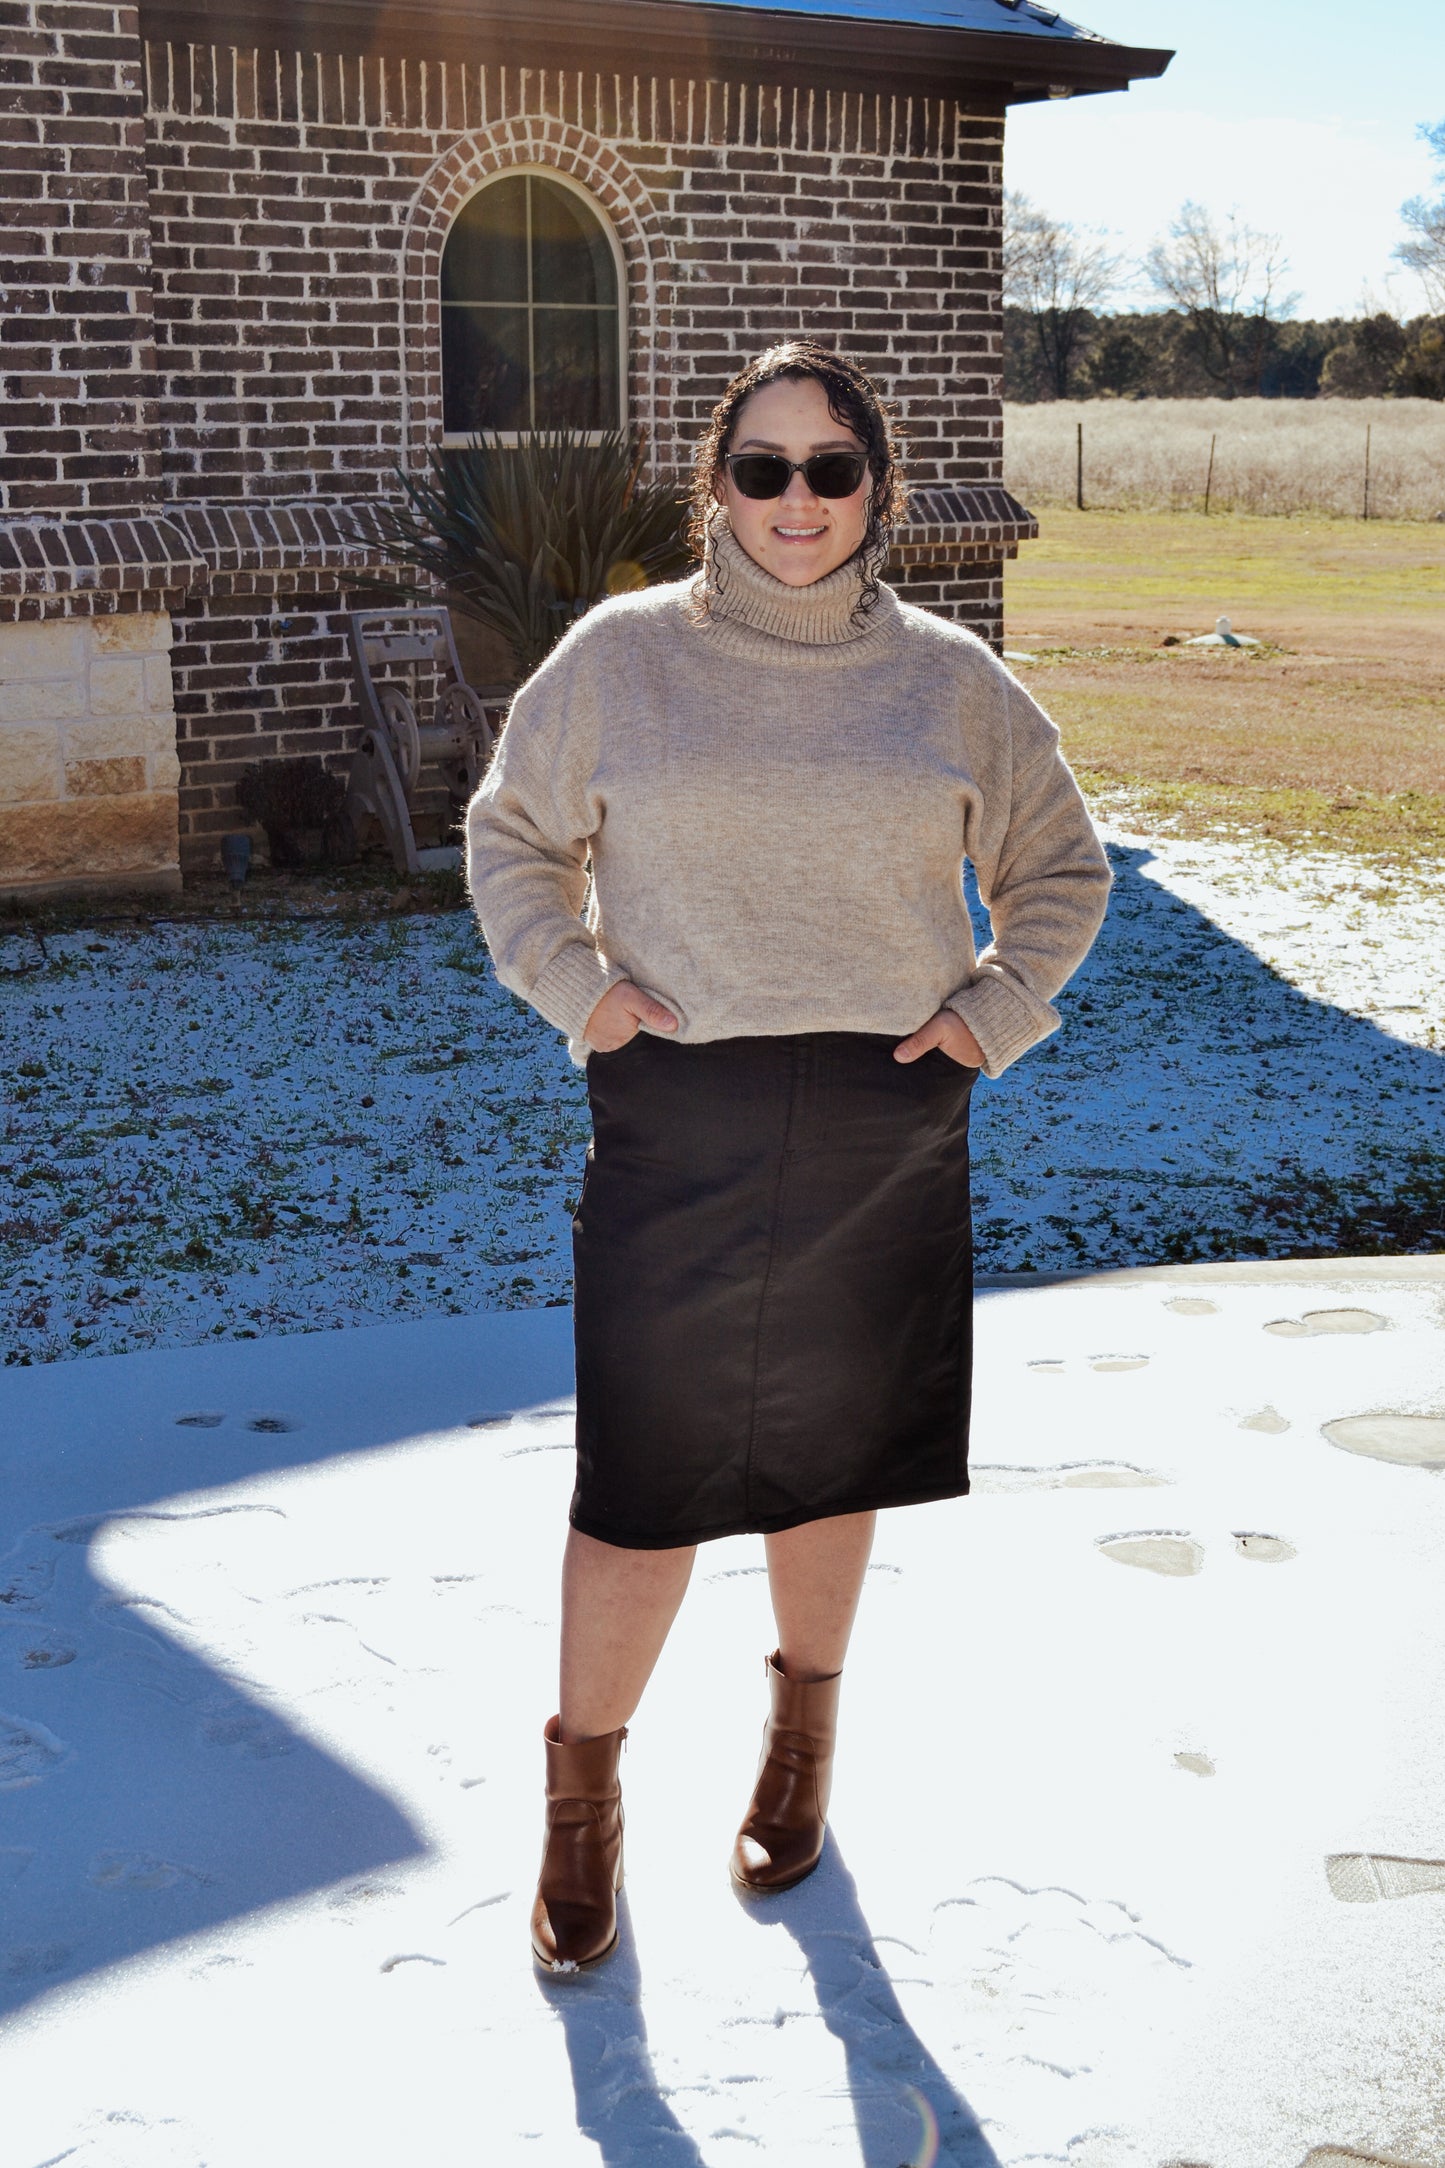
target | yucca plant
[{"x": 526, "y": 537}]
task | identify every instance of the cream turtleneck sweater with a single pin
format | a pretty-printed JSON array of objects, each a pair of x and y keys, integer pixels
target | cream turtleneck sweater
[{"x": 777, "y": 799}]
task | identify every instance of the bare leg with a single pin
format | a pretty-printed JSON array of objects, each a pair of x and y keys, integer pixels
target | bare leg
[
  {"x": 617, "y": 1607},
  {"x": 815, "y": 1575}
]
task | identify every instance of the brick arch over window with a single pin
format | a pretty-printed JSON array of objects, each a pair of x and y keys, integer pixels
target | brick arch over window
[{"x": 620, "y": 196}]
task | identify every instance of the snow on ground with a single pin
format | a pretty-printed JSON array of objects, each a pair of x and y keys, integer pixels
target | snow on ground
[
  {"x": 217, "y": 1130},
  {"x": 1136, "y": 1854}
]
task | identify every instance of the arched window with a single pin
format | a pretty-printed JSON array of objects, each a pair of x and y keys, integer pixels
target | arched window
[{"x": 531, "y": 319}]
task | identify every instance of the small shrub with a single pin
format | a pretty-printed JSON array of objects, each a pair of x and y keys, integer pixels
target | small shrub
[
  {"x": 292, "y": 799},
  {"x": 526, "y": 537}
]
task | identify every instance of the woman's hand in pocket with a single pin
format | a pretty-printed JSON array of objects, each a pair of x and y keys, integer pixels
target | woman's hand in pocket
[
  {"x": 621, "y": 1014},
  {"x": 946, "y": 1030}
]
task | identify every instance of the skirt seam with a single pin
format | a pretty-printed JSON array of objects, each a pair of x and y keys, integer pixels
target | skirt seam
[{"x": 775, "y": 1219}]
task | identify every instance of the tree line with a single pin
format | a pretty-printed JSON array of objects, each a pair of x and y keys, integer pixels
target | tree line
[
  {"x": 1223, "y": 324},
  {"x": 1160, "y": 354}
]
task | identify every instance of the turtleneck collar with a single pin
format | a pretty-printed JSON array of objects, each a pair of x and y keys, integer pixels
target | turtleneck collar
[{"x": 743, "y": 599}]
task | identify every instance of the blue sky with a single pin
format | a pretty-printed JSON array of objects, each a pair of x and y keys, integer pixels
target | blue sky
[{"x": 1300, "y": 112}]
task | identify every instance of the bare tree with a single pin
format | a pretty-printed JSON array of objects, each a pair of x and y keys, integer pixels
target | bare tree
[
  {"x": 1226, "y": 281},
  {"x": 1056, "y": 275},
  {"x": 1424, "y": 252}
]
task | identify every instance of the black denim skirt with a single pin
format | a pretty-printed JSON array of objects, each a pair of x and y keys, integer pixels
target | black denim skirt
[{"x": 774, "y": 1261}]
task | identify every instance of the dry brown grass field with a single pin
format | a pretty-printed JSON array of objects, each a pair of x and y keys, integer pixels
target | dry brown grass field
[
  {"x": 1270, "y": 455},
  {"x": 1332, "y": 731}
]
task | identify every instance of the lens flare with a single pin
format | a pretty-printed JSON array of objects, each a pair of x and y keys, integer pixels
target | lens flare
[{"x": 927, "y": 2152}]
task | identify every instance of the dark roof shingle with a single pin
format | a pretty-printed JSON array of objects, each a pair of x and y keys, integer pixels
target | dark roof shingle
[{"x": 1019, "y": 17}]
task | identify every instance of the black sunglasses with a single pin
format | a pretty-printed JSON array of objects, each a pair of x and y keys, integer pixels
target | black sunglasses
[{"x": 767, "y": 474}]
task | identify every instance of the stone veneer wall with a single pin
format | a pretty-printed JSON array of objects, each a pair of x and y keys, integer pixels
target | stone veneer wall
[{"x": 88, "y": 767}]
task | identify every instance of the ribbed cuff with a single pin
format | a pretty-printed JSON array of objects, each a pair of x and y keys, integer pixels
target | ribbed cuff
[
  {"x": 1004, "y": 1018},
  {"x": 571, "y": 986}
]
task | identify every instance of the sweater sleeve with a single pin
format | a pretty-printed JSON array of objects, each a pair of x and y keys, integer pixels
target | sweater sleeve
[
  {"x": 1044, "y": 878},
  {"x": 528, "y": 830}
]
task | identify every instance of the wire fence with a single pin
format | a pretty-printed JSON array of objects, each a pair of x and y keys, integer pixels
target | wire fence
[{"x": 1353, "y": 458}]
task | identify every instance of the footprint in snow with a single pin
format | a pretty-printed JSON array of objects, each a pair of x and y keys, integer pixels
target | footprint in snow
[
  {"x": 1365, "y": 1878},
  {"x": 1192, "y": 1306},
  {"x": 1269, "y": 1550},
  {"x": 137, "y": 1870},
  {"x": 47, "y": 1654},
  {"x": 1198, "y": 1765},
  {"x": 364, "y": 1893},
  {"x": 1268, "y": 1420},
  {"x": 1410, "y": 1441},
  {"x": 1051, "y": 1367},
  {"x": 34, "y": 1961},
  {"x": 1315, "y": 1323},
  {"x": 272, "y": 1424},
  {"x": 1086, "y": 1475},
  {"x": 25, "y": 1585},
  {"x": 28, "y": 1752},
  {"x": 201, "y": 1419},
  {"x": 249, "y": 1734},
  {"x": 1110, "y": 1476},
  {"x": 1339, "y": 2156},
  {"x": 1165, "y": 1551}
]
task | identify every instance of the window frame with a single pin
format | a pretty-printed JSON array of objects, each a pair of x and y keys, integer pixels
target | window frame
[{"x": 456, "y": 441}]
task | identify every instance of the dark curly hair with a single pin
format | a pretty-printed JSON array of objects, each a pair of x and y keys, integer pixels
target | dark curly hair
[{"x": 853, "y": 402}]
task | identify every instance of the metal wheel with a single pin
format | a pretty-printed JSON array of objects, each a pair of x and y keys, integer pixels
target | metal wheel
[
  {"x": 400, "y": 719},
  {"x": 464, "y": 714}
]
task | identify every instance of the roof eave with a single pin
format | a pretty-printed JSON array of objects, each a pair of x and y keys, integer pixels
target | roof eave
[{"x": 833, "y": 51}]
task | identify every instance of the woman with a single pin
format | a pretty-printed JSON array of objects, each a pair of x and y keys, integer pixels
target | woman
[{"x": 776, "y": 770}]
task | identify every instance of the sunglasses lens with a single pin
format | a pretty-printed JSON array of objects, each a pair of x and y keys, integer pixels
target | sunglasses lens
[
  {"x": 760, "y": 474},
  {"x": 833, "y": 474}
]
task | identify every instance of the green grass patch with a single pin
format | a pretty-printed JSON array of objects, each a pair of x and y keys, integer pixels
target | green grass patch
[{"x": 1405, "y": 832}]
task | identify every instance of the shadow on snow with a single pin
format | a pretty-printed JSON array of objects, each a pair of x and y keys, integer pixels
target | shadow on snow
[
  {"x": 905, "y": 2110},
  {"x": 110, "y": 1775},
  {"x": 1196, "y": 1104}
]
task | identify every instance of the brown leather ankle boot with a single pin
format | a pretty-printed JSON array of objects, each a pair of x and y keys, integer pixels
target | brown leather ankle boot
[
  {"x": 574, "y": 1920},
  {"x": 781, "y": 1839}
]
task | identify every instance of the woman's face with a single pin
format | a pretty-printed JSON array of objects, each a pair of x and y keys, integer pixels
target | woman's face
[{"x": 797, "y": 537}]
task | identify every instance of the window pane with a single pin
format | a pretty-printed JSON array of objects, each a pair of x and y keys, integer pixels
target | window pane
[
  {"x": 484, "y": 370},
  {"x": 571, "y": 259},
  {"x": 576, "y": 355},
  {"x": 485, "y": 258}
]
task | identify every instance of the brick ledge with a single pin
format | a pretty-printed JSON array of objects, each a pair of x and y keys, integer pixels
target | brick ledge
[
  {"x": 958, "y": 523},
  {"x": 152, "y": 559}
]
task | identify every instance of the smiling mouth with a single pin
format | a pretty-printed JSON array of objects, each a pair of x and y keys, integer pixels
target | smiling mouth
[{"x": 800, "y": 534}]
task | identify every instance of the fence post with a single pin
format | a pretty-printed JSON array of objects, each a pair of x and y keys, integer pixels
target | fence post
[
  {"x": 1209, "y": 478},
  {"x": 1079, "y": 472},
  {"x": 1366, "y": 512}
]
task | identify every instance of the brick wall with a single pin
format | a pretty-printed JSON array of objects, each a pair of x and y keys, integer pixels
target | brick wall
[
  {"x": 76, "y": 359},
  {"x": 299, "y": 204}
]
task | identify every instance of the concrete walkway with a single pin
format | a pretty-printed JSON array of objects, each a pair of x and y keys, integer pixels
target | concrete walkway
[{"x": 1139, "y": 1843}]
